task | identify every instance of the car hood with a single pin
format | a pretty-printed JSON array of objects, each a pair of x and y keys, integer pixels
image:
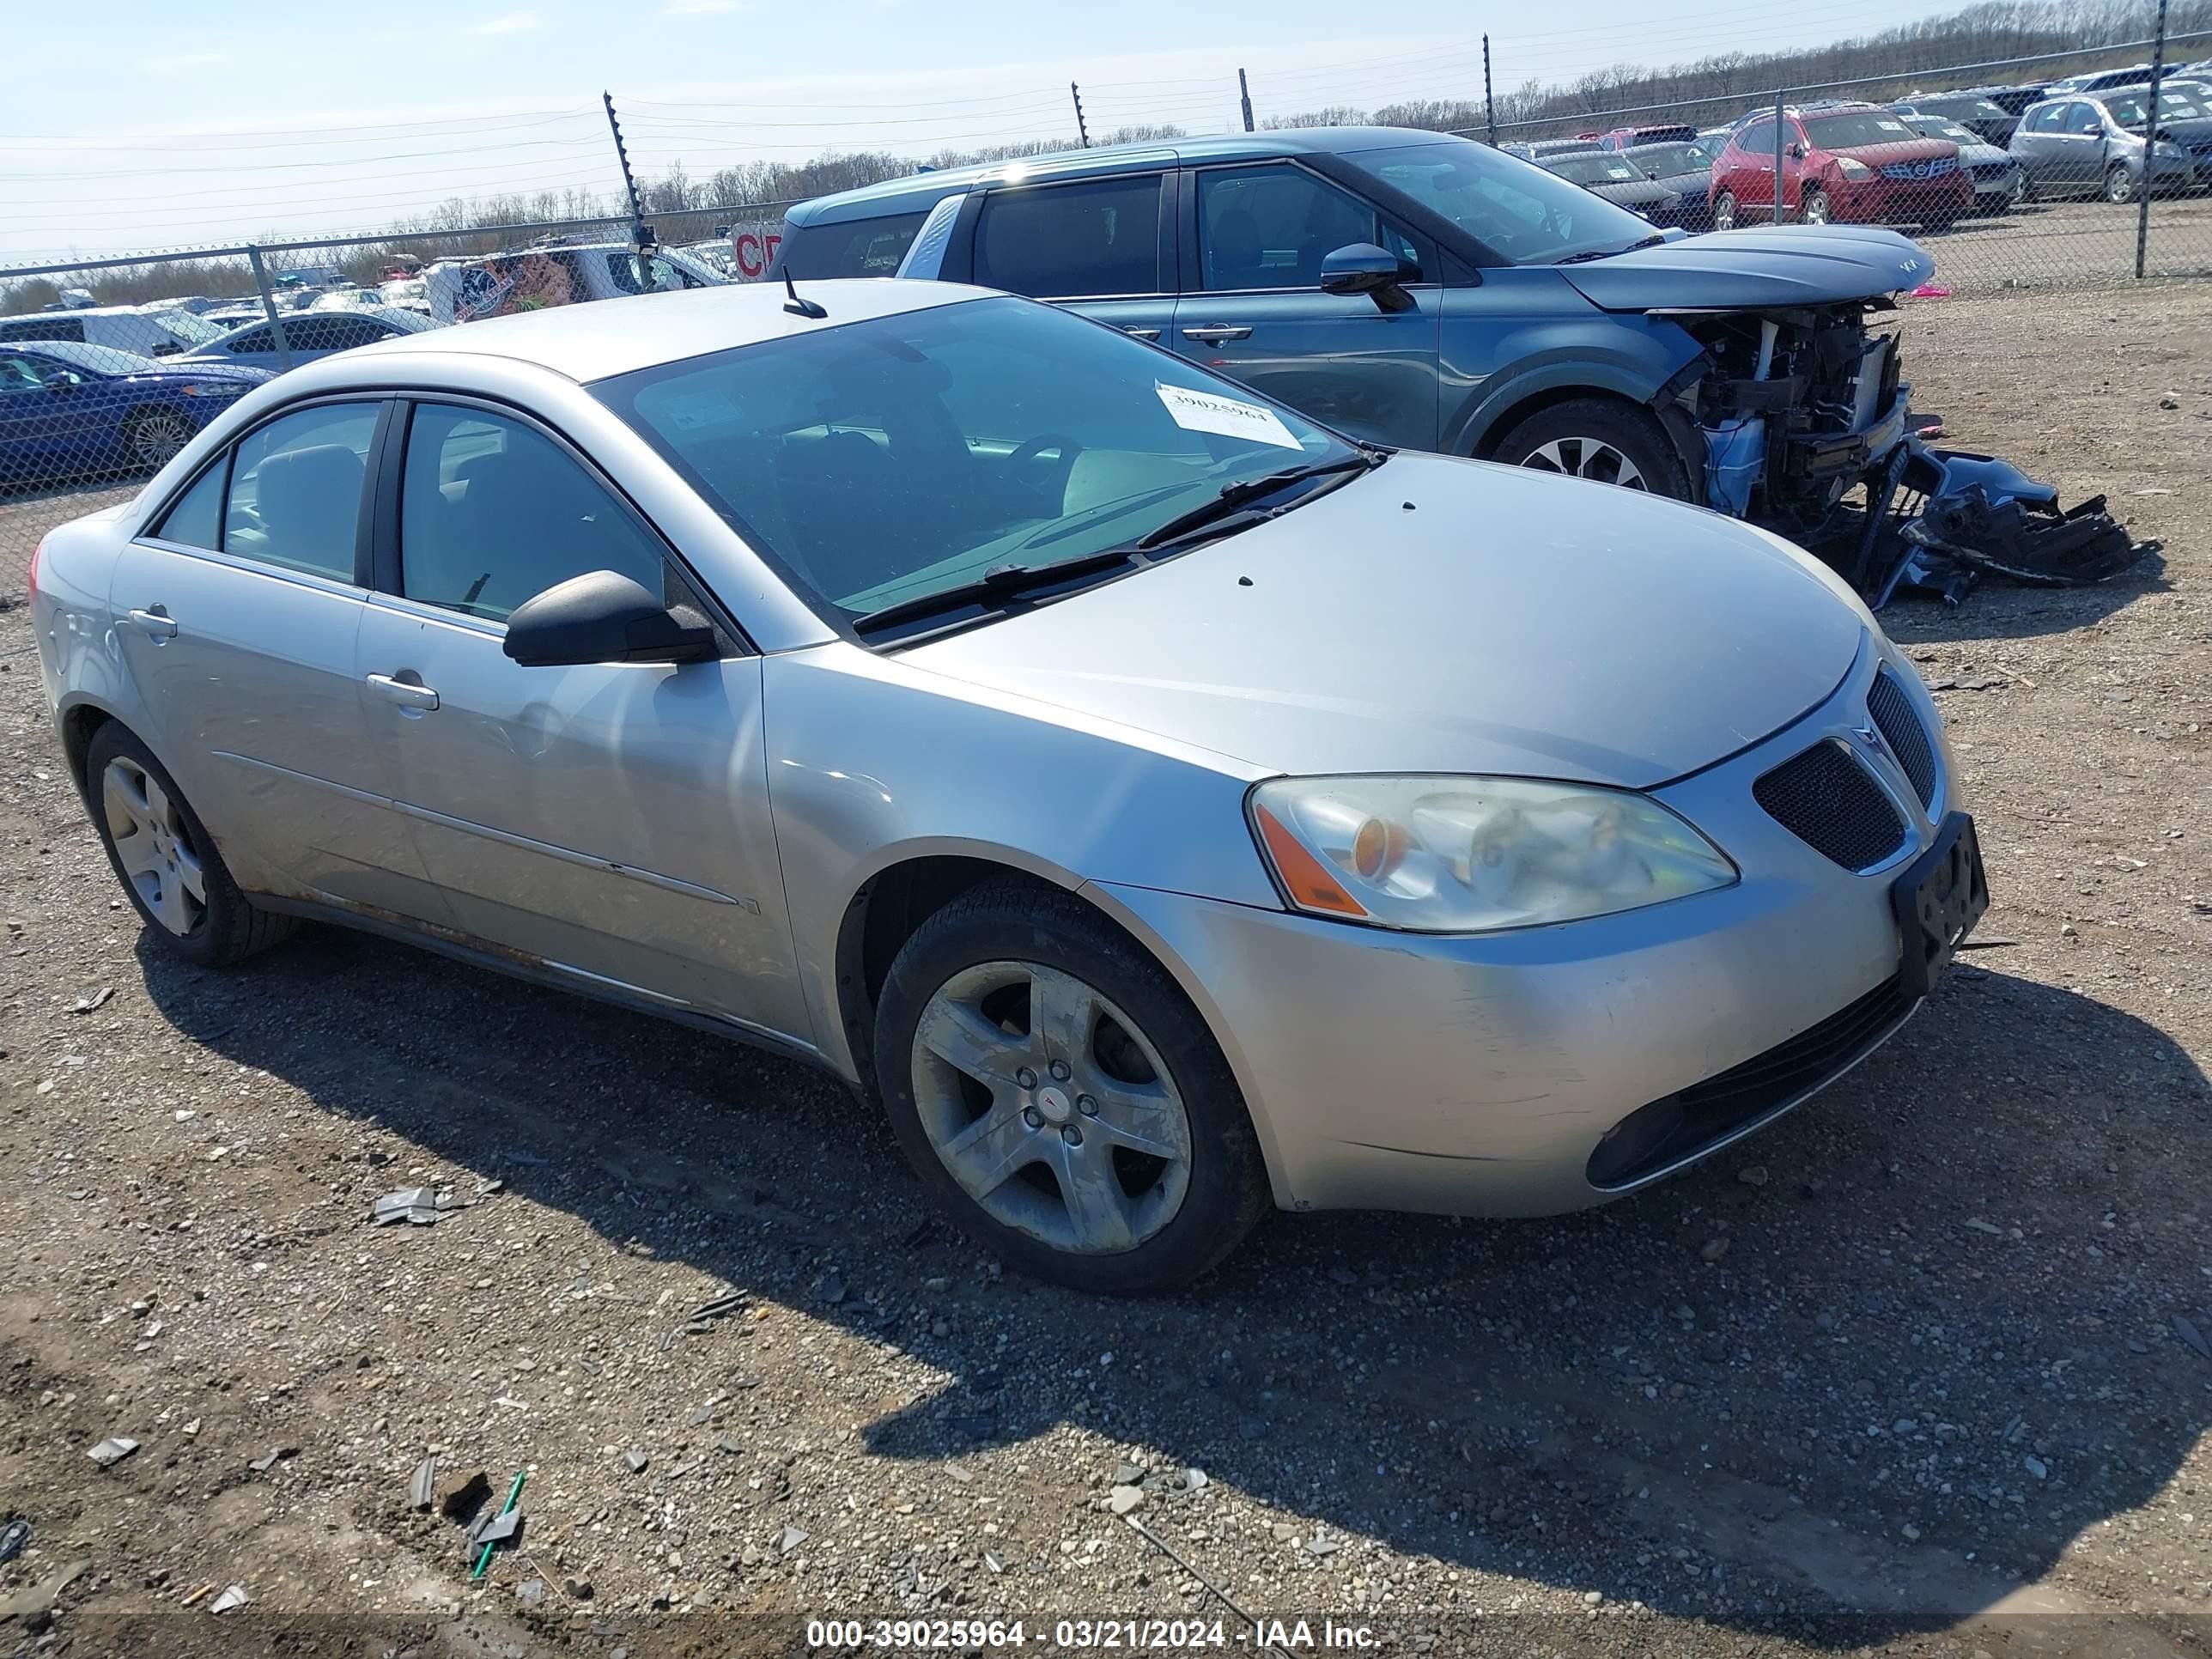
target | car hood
[
  {"x": 1750, "y": 270},
  {"x": 190, "y": 366},
  {"x": 1632, "y": 192},
  {"x": 1446, "y": 616}
]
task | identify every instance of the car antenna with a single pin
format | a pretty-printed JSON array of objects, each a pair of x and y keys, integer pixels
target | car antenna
[{"x": 797, "y": 306}]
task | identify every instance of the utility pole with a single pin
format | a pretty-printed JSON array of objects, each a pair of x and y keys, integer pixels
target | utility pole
[
  {"x": 1489, "y": 109},
  {"x": 2150, "y": 144},
  {"x": 1081, "y": 131},
  {"x": 640, "y": 233},
  {"x": 1244, "y": 97}
]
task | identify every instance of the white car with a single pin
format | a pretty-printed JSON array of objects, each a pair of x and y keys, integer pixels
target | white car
[
  {"x": 557, "y": 274},
  {"x": 142, "y": 330}
]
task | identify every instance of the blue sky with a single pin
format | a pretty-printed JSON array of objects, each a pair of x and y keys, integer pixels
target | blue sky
[{"x": 178, "y": 126}]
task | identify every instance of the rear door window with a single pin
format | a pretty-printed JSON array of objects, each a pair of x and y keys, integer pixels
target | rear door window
[
  {"x": 295, "y": 487},
  {"x": 1093, "y": 239}
]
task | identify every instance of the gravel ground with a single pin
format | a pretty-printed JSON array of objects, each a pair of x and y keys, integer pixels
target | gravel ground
[{"x": 1917, "y": 1369}]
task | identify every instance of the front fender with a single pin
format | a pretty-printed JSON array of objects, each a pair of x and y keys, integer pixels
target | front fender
[{"x": 1625, "y": 357}]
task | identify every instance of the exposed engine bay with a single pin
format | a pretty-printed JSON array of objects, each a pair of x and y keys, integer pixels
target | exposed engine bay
[{"x": 1808, "y": 429}]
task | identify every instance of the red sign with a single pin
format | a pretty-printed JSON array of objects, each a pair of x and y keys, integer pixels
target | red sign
[{"x": 755, "y": 252}]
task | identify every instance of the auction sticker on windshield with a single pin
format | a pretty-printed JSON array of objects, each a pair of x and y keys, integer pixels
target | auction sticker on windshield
[{"x": 1207, "y": 411}]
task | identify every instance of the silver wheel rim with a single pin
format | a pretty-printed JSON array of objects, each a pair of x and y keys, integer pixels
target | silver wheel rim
[
  {"x": 2018, "y": 192},
  {"x": 1586, "y": 458},
  {"x": 1051, "y": 1108},
  {"x": 2117, "y": 186},
  {"x": 1816, "y": 209},
  {"x": 1724, "y": 213},
  {"x": 152, "y": 846},
  {"x": 157, "y": 437}
]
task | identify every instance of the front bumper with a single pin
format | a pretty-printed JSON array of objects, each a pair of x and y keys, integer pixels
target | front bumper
[
  {"x": 1877, "y": 201},
  {"x": 1479, "y": 1075}
]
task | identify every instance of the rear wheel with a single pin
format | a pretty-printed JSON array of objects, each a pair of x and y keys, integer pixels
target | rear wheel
[
  {"x": 152, "y": 437},
  {"x": 1724, "y": 211},
  {"x": 2017, "y": 192},
  {"x": 1060, "y": 1097},
  {"x": 1602, "y": 438},
  {"x": 167, "y": 862}
]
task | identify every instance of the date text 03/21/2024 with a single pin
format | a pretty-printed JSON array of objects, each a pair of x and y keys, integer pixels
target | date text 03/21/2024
[{"x": 1103, "y": 1635}]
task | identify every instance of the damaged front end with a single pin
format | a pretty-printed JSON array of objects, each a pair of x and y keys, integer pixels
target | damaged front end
[{"x": 1806, "y": 428}]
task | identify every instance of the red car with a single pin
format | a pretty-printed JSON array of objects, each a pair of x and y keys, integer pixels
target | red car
[
  {"x": 1672, "y": 132},
  {"x": 1842, "y": 163}
]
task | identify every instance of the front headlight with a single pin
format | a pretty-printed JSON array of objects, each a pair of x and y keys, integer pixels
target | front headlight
[
  {"x": 215, "y": 389},
  {"x": 1470, "y": 855},
  {"x": 1850, "y": 169}
]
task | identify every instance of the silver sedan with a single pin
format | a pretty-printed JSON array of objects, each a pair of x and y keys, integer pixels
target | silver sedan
[{"x": 1164, "y": 808}]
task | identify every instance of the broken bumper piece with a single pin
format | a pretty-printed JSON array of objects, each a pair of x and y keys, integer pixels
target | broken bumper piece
[{"x": 1979, "y": 514}]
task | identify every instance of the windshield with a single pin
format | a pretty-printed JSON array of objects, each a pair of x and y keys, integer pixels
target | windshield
[
  {"x": 1594, "y": 167},
  {"x": 1856, "y": 129},
  {"x": 1666, "y": 160},
  {"x": 2175, "y": 103},
  {"x": 95, "y": 359},
  {"x": 1933, "y": 127},
  {"x": 901, "y": 456},
  {"x": 187, "y": 325},
  {"x": 1516, "y": 209}
]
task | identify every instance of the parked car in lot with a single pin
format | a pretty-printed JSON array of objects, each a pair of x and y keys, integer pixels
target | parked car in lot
[
  {"x": 141, "y": 330},
  {"x": 1671, "y": 132},
  {"x": 556, "y": 273},
  {"x": 68, "y": 411},
  {"x": 2098, "y": 80},
  {"x": 1842, "y": 164},
  {"x": 1980, "y": 114},
  {"x": 921, "y": 683},
  {"x": 2099, "y": 146},
  {"x": 1999, "y": 182},
  {"x": 1687, "y": 169},
  {"x": 1614, "y": 178},
  {"x": 1420, "y": 290},
  {"x": 309, "y": 335}
]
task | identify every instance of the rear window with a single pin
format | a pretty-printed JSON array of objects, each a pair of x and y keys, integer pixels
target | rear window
[
  {"x": 853, "y": 247},
  {"x": 1597, "y": 167},
  {"x": 1666, "y": 160},
  {"x": 1857, "y": 129},
  {"x": 1061, "y": 242}
]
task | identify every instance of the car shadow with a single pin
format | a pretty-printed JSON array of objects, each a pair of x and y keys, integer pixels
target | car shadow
[{"x": 1868, "y": 1373}]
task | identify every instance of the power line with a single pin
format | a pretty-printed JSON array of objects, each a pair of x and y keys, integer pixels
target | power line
[
  {"x": 71, "y": 147},
  {"x": 276, "y": 167},
  {"x": 155, "y": 140}
]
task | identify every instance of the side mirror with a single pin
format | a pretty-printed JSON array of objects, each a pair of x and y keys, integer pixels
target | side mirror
[
  {"x": 1797, "y": 152},
  {"x": 1364, "y": 268},
  {"x": 67, "y": 380},
  {"x": 602, "y": 617}
]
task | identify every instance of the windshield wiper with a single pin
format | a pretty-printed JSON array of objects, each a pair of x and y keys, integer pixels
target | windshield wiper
[
  {"x": 1235, "y": 496},
  {"x": 1608, "y": 252},
  {"x": 1000, "y": 581}
]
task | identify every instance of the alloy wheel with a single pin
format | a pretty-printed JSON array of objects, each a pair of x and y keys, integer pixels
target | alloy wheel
[
  {"x": 1586, "y": 458},
  {"x": 157, "y": 436},
  {"x": 2118, "y": 187},
  {"x": 154, "y": 847},
  {"x": 1050, "y": 1108},
  {"x": 1817, "y": 210},
  {"x": 1724, "y": 212}
]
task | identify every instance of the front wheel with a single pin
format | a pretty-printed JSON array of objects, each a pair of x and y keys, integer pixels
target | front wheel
[
  {"x": 152, "y": 437},
  {"x": 2119, "y": 182},
  {"x": 1601, "y": 439},
  {"x": 1818, "y": 210},
  {"x": 1724, "y": 211},
  {"x": 1061, "y": 1098}
]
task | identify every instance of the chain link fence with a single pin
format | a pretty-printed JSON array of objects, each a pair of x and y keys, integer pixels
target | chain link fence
[{"x": 108, "y": 368}]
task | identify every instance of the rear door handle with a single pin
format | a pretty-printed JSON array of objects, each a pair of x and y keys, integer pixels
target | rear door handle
[
  {"x": 1217, "y": 333},
  {"x": 156, "y": 622},
  {"x": 1142, "y": 333},
  {"x": 406, "y": 693}
]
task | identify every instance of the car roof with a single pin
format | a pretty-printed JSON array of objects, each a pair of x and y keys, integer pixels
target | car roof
[
  {"x": 591, "y": 342},
  {"x": 917, "y": 191}
]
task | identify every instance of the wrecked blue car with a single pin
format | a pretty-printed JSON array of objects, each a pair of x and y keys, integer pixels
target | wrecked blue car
[{"x": 1418, "y": 290}]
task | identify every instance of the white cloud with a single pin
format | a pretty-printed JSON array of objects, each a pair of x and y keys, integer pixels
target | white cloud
[
  {"x": 701, "y": 8},
  {"x": 514, "y": 23}
]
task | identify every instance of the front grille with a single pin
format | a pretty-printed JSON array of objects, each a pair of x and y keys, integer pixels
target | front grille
[
  {"x": 1681, "y": 1125},
  {"x": 1826, "y": 799},
  {"x": 1985, "y": 170},
  {"x": 1907, "y": 738},
  {"x": 1935, "y": 169}
]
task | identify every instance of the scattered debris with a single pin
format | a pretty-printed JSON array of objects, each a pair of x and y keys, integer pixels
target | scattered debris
[
  {"x": 1715, "y": 1248},
  {"x": 790, "y": 1539},
  {"x": 1756, "y": 1176},
  {"x": 230, "y": 1601},
  {"x": 531, "y": 1592},
  {"x": 13, "y": 1537},
  {"x": 1318, "y": 1545},
  {"x": 636, "y": 1460},
  {"x": 1127, "y": 1473},
  {"x": 1982, "y": 1226},
  {"x": 421, "y": 1485},
  {"x": 31, "y": 1605},
  {"x": 275, "y": 1455},
  {"x": 113, "y": 1450},
  {"x": 1126, "y": 1498},
  {"x": 2036, "y": 1466},
  {"x": 1925, "y": 291},
  {"x": 2189, "y": 1334},
  {"x": 720, "y": 1308},
  {"x": 460, "y": 1496},
  {"x": 85, "y": 1004},
  {"x": 1193, "y": 1479},
  {"x": 503, "y": 1527},
  {"x": 578, "y": 1589},
  {"x": 991, "y": 1560},
  {"x": 417, "y": 1206},
  {"x": 193, "y": 1597}
]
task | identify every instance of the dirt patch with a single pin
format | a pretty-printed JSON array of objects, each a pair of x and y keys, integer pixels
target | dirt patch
[{"x": 1929, "y": 1389}]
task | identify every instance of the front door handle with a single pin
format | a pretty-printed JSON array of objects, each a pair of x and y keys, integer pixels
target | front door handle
[
  {"x": 156, "y": 622},
  {"x": 1216, "y": 333},
  {"x": 407, "y": 694},
  {"x": 1142, "y": 333}
]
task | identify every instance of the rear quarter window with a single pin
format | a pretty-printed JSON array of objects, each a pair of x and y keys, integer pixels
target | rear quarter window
[{"x": 852, "y": 247}]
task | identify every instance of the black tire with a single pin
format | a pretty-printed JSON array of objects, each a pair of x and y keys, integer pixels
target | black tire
[
  {"x": 1610, "y": 421},
  {"x": 1018, "y": 920},
  {"x": 231, "y": 928}
]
